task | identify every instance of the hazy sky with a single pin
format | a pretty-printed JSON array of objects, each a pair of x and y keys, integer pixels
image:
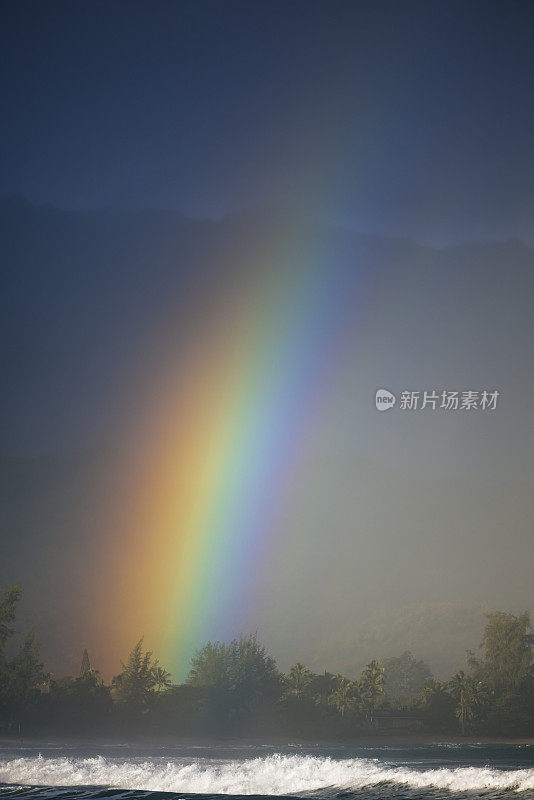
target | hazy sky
[
  {"x": 365, "y": 529},
  {"x": 410, "y": 117}
]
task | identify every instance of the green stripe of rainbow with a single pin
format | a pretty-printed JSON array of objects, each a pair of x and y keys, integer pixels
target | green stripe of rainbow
[{"x": 216, "y": 461}]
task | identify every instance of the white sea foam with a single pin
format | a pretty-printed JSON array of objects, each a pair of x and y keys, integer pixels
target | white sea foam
[{"x": 271, "y": 775}]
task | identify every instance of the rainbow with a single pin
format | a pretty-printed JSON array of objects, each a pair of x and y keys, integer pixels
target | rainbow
[{"x": 229, "y": 418}]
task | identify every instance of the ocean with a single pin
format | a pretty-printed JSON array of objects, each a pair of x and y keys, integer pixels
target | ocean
[{"x": 402, "y": 772}]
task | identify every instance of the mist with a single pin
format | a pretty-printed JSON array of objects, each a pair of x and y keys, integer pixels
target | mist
[{"x": 395, "y": 531}]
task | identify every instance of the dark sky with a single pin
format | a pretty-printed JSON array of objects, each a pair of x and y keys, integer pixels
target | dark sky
[{"x": 413, "y": 118}]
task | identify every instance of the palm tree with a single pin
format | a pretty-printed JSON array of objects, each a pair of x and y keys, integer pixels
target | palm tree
[
  {"x": 459, "y": 689},
  {"x": 371, "y": 686},
  {"x": 298, "y": 680},
  {"x": 471, "y": 696},
  {"x": 345, "y": 696},
  {"x": 162, "y": 678}
]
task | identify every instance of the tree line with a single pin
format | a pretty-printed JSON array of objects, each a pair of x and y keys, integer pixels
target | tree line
[{"x": 236, "y": 689}]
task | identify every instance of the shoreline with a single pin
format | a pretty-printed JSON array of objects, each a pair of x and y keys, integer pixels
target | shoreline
[{"x": 173, "y": 741}]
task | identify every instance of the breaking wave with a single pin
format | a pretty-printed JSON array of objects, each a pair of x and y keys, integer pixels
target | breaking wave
[{"x": 271, "y": 775}]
